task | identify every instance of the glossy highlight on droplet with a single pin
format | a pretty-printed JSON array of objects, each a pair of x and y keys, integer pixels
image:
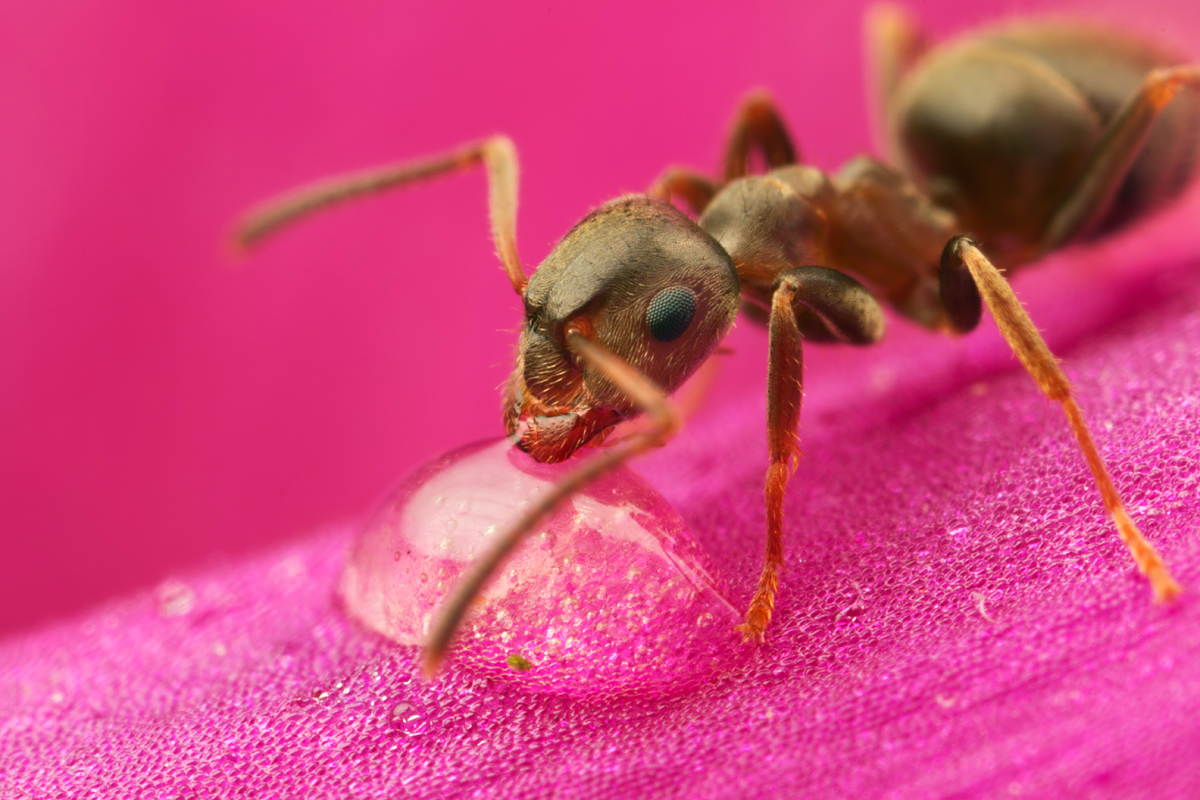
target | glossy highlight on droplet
[
  {"x": 408, "y": 717},
  {"x": 611, "y": 594}
]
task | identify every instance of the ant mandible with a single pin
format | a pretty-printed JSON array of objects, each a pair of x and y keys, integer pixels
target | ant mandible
[{"x": 1029, "y": 136}]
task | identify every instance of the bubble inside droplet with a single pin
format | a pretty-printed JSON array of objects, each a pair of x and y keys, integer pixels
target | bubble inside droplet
[{"x": 602, "y": 597}]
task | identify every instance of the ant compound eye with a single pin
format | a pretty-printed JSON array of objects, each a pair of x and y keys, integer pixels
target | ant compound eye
[{"x": 670, "y": 313}]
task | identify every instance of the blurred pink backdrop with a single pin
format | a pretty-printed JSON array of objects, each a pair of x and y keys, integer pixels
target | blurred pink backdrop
[{"x": 160, "y": 409}]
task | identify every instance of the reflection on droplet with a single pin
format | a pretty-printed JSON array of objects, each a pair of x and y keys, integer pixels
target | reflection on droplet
[
  {"x": 610, "y": 594},
  {"x": 409, "y": 718}
]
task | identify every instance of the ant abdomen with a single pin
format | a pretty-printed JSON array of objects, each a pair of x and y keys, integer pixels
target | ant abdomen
[{"x": 1001, "y": 129}]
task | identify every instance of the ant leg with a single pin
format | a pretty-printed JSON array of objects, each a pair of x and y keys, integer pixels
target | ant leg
[
  {"x": 758, "y": 125},
  {"x": 695, "y": 189},
  {"x": 850, "y": 314},
  {"x": 1113, "y": 157},
  {"x": 497, "y": 154},
  {"x": 894, "y": 42},
  {"x": 1027, "y": 343},
  {"x": 958, "y": 292},
  {"x": 665, "y": 423}
]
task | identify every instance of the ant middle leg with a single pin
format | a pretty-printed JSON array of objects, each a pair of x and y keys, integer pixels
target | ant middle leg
[
  {"x": 962, "y": 256},
  {"x": 803, "y": 298}
]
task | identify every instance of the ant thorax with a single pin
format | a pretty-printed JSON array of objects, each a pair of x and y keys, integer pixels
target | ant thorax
[{"x": 888, "y": 232}]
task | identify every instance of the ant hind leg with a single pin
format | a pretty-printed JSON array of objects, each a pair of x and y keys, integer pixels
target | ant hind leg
[
  {"x": 1124, "y": 138},
  {"x": 1031, "y": 349},
  {"x": 894, "y": 42}
]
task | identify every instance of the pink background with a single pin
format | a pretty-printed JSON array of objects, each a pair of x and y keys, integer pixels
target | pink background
[{"x": 159, "y": 409}]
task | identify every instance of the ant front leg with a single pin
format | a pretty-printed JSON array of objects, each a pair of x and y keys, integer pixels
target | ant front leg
[
  {"x": 962, "y": 256},
  {"x": 848, "y": 313},
  {"x": 497, "y": 154},
  {"x": 693, "y": 188},
  {"x": 664, "y": 423},
  {"x": 757, "y": 127}
]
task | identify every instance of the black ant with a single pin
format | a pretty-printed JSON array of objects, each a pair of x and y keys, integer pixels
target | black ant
[{"x": 1030, "y": 136}]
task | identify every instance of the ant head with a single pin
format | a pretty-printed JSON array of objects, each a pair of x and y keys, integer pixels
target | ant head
[{"x": 643, "y": 281}]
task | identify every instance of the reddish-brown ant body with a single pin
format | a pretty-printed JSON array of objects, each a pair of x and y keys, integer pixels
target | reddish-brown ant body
[{"x": 1027, "y": 137}]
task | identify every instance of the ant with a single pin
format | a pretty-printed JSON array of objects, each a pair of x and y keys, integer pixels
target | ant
[{"x": 1028, "y": 136}]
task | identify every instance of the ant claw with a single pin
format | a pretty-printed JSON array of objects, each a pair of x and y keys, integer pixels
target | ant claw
[{"x": 752, "y": 633}]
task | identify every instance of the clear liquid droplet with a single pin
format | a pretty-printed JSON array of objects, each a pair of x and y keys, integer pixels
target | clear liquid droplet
[{"x": 602, "y": 597}]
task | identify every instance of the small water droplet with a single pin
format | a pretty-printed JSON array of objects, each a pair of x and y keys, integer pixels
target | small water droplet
[
  {"x": 175, "y": 599},
  {"x": 409, "y": 718}
]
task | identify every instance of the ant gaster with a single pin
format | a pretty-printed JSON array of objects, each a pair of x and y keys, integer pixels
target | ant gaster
[{"x": 1027, "y": 136}]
